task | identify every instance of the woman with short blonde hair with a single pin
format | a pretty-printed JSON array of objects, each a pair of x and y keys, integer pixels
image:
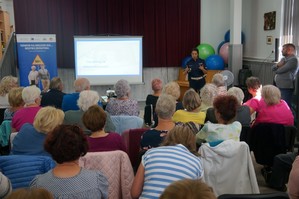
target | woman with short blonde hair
[
  {"x": 173, "y": 89},
  {"x": 16, "y": 102},
  {"x": 191, "y": 103},
  {"x": 30, "y": 138}
]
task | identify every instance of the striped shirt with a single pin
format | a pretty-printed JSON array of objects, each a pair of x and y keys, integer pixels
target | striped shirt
[{"x": 166, "y": 164}]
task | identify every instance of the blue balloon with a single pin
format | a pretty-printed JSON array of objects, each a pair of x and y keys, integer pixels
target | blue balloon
[
  {"x": 215, "y": 62},
  {"x": 185, "y": 61},
  {"x": 219, "y": 46},
  {"x": 227, "y": 37}
]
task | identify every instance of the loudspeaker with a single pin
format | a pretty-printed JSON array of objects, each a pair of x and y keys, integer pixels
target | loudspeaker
[{"x": 276, "y": 51}]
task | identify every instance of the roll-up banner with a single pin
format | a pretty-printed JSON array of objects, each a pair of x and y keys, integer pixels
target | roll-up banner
[{"x": 37, "y": 59}]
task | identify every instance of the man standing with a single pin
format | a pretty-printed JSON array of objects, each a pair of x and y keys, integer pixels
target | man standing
[
  {"x": 285, "y": 72},
  {"x": 196, "y": 71}
]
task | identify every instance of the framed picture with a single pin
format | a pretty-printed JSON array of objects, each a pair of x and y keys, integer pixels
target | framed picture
[
  {"x": 269, "y": 40},
  {"x": 269, "y": 20}
]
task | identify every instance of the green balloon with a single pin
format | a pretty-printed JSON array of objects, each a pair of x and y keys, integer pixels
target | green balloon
[{"x": 205, "y": 50}]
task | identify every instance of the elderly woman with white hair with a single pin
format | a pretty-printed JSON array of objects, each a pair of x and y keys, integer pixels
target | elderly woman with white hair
[
  {"x": 243, "y": 111},
  {"x": 207, "y": 96},
  {"x": 122, "y": 104},
  {"x": 30, "y": 139},
  {"x": 276, "y": 110},
  {"x": 218, "y": 81},
  {"x": 87, "y": 98},
  {"x": 32, "y": 99}
]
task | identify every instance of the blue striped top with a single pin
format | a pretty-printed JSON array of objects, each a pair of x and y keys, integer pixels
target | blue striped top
[{"x": 166, "y": 164}]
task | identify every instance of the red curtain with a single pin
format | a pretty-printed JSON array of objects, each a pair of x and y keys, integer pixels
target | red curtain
[{"x": 170, "y": 28}]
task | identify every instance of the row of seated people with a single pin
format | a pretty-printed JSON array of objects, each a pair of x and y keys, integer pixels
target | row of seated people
[{"x": 175, "y": 103}]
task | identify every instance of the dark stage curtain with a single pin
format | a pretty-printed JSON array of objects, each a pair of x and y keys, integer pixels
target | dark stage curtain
[{"x": 171, "y": 28}]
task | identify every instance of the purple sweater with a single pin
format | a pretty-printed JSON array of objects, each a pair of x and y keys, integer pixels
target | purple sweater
[{"x": 111, "y": 142}]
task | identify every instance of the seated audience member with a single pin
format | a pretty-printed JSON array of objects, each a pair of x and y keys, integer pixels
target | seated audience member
[
  {"x": 30, "y": 194},
  {"x": 225, "y": 111},
  {"x": 5, "y": 186},
  {"x": 276, "y": 110},
  {"x": 218, "y": 81},
  {"x": 173, "y": 89},
  {"x": 188, "y": 189},
  {"x": 30, "y": 139},
  {"x": 69, "y": 101},
  {"x": 165, "y": 108},
  {"x": 293, "y": 184},
  {"x": 94, "y": 119},
  {"x": 243, "y": 112},
  {"x": 66, "y": 144},
  {"x": 55, "y": 95},
  {"x": 156, "y": 170},
  {"x": 15, "y": 101},
  {"x": 207, "y": 96},
  {"x": 254, "y": 88},
  {"x": 277, "y": 176},
  {"x": 6, "y": 84},
  {"x": 86, "y": 99},
  {"x": 191, "y": 103},
  {"x": 157, "y": 86},
  {"x": 122, "y": 104},
  {"x": 31, "y": 98}
]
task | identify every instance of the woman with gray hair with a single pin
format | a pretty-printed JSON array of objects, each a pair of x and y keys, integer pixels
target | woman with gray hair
[
  {"x": 276, "y": 110},
  {"x": 122, "y": 104},
  {"x": 31, "y": 97},
  {"x": 243, "y": 111},
  {"x": 218, "y": 81},
  {"x": 87, "y": 98},
  {"x": 165, "y": 108},
  {"x": 207, "y": 96}
]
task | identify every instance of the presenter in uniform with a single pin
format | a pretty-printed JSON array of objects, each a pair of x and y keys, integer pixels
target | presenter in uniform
[
  {"x": 196, "y": 70},
  {"x": 44, "y": 76}
]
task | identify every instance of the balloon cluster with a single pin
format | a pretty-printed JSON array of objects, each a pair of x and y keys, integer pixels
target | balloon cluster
[{"x": 207, "y": 52}]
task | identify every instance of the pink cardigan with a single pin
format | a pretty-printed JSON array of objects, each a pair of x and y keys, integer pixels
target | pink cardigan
[{"x": 116, "y": 166}]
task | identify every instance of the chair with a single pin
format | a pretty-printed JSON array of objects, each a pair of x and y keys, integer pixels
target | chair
[
  {"x": 290, "y": 135},
  {"x": 132, "y": 138},
  {"x": 150, "y": 117},
  {"x": 116, "y": 166},
  {"x": 125, "y": 122},
  {"x": 245, "y": 134},
  {"x": 21, "y": 169},
  {"x": 228, "y": 168},
  {"x": 278, "y": 195},
  {"x": 269, "y": 139}
]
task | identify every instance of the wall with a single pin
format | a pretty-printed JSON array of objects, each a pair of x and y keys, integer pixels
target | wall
[
  {"x": 214, "y": 24},
  {"x": 253, "y": 27}
]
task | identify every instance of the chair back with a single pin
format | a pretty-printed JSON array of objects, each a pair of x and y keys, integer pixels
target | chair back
[
  {"x": 268, "y": 140},
  {"x": 150, "y": 117},
  {"x": 21, "y": 169},
  {"x": 116, "y": 166},
  {"x": 125, "y": 122},
  {"x": 290, "y": 135},
  {"x": 132, "y": 138},
  {"x": 228, "y": 168},
  {"x": 277, "y": 195}
]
